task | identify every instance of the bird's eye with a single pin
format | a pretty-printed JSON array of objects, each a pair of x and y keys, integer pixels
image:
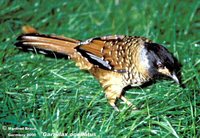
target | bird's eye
[{"x": 160, "y": 65}]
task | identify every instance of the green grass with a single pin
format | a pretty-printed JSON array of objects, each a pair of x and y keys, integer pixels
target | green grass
[{"x": 54, "y": 96}]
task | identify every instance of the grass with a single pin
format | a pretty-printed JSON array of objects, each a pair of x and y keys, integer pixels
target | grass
[{"x": 52, "y": 95}]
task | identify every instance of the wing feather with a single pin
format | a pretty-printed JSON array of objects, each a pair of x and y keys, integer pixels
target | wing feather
[{"x": 104, "y": 52}]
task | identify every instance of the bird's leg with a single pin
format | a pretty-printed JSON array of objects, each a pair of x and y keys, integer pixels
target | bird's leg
[
  {"x": 111, "y": 83},
  {"x": 126, "y": 101},
  {"x": 112, "y": 97},
  {"x": 113, "y": 92}
]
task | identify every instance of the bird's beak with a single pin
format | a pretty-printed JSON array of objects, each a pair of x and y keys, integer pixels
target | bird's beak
[{"x": 175, "y": 78}]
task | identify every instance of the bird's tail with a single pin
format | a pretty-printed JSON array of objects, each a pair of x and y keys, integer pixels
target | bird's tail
[
  {"x": 31, "y": 40},
  {"x": 47, "y": 43}
]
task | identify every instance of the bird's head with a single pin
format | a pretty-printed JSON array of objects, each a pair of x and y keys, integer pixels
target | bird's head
[{"x": 161, "y": 62}]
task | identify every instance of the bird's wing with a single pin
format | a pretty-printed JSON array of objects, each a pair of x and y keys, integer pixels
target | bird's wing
[{"x": 107, "y": 52}]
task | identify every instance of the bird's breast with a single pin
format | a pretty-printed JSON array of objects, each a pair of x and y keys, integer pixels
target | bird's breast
[
  {"x": 135, "y": 78},
  {"x": 137, "y": 67}
]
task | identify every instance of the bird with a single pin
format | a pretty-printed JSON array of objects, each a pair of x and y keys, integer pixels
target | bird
[{"x": 116, "y": 61}]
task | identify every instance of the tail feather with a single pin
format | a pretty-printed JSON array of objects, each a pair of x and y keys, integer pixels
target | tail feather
[
  {"x": 53, "y": 45},
  {"x": 56, "y": 44}
]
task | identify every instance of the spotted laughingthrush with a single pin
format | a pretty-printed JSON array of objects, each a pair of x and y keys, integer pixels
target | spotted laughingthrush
[{"x": 116, "y": 61}]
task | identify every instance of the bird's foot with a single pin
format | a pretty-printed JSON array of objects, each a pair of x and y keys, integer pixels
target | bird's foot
[{"x": 128, "y": 103}]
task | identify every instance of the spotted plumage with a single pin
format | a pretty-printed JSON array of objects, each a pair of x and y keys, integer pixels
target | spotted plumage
[{"x": 116, "y": 61}]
